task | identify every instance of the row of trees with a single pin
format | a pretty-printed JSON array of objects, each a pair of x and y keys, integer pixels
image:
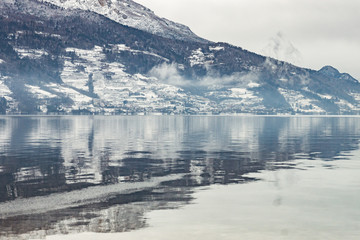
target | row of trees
[{"x": 3, "y": 105}]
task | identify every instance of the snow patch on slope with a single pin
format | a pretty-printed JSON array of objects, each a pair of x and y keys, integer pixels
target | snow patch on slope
[
  {"x": 76, "y": 72},
  {"x": 241, "y": 93},
  {"x": 198, "y": 57},
  {"x": 237, "y": 100},
  {"x": 122, "y": 47},
  {"x": 81, "y": 101},
  {"x": 299, "y": 103},
  {"x": 4, "y": 90},
  {"x": 30, "y": 53},
  {"x": 216, "y": 48},
  {"x": 38, "y": 93},
  {"x": 43, "y": 34}
]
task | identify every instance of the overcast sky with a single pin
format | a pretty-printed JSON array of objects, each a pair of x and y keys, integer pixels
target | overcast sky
[{"x": 324, "y": 32}]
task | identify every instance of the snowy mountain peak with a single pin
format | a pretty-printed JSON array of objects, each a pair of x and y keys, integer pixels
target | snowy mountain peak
[
  {"x": 132, "y": 14},
  {"x": 329, "y": 71}
]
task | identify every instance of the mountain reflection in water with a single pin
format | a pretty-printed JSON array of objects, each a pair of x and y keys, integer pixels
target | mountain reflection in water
[{"x": 62, "y": 175}]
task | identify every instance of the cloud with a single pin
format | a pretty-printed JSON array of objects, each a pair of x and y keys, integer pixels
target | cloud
[
  {"x": 236, "y": 79},
  {"x": 170, "y": 74},
  {"x": 279, "y": 47}
]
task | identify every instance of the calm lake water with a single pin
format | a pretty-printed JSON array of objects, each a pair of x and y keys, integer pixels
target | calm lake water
[{"x": 177, "y": 177}]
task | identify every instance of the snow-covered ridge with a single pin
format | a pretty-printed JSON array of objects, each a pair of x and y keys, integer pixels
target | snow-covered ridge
[{"x": 132, "y": 14}]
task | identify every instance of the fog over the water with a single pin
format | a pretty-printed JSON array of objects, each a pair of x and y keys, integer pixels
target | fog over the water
[{"x": 324, "y": 32}]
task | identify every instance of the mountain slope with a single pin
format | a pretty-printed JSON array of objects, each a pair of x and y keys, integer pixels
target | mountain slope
[
  {"x": 132, "y": 14},
  {"x": 56, "y": 59}
]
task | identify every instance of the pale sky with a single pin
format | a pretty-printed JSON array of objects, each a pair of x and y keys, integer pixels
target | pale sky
[{"x": 325, "y": 32}]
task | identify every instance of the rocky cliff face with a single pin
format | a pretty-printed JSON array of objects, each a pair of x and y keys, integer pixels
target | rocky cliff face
[{"x": 73, "y": 57}]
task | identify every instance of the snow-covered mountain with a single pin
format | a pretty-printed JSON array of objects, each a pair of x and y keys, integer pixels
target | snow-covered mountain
[
  {"x": 76, "y": 57},
  {"x": 134, "y": 15}
]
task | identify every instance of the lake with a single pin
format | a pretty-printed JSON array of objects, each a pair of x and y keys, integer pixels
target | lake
[{"x": 176, "y": 177}]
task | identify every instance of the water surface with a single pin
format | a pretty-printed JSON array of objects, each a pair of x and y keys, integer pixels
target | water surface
[{"x": 175, "y": 177}]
